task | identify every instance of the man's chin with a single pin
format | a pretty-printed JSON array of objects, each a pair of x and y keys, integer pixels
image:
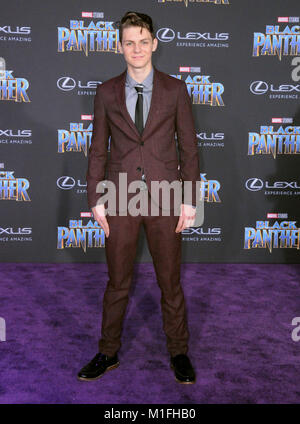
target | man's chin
[{"x": 138, "y": 64}]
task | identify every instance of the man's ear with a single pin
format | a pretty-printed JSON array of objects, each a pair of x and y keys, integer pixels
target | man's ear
[{"x": 155, "y": 44}]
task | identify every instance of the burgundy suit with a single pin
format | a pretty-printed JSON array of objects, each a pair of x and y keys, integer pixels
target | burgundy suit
[{"x": 155, "y": 152}]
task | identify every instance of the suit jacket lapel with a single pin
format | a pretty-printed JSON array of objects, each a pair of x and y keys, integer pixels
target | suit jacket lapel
[
  {"x": 155, "y": 101},
  {"x": 120, "y": 93}
]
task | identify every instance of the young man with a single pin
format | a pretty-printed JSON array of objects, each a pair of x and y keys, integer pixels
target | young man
[{"x": 141, "y": 110}]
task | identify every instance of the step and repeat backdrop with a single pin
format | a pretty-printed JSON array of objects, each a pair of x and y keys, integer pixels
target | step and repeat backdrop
[{"x": 240, "y": 60}]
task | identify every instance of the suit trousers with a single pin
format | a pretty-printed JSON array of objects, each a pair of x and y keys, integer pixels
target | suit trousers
[{"x": 165, "y": 248}]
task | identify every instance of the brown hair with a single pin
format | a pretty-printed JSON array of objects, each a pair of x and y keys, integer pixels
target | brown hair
[{"x": 134, "y": 19}]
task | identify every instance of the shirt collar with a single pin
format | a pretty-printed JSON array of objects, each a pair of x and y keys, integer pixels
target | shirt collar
[{"x": 147, "y": 83}]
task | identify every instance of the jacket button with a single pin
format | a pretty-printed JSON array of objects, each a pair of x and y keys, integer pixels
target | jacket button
[
  {"x": 139, "y": 168},
  {"x": 142, "y": 143}
]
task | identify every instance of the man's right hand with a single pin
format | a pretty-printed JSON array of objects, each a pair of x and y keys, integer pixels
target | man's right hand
[{"x": 99, "y": 215}]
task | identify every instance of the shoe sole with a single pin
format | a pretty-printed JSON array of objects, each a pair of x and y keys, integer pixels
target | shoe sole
[
  {"x": 96, "y": 378},
  {"x": 182, "y": 382}
]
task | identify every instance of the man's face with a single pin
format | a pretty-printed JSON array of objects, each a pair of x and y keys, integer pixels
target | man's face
[{"x": 137, "y": 46}]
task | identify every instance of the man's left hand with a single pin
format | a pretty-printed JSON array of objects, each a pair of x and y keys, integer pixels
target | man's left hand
[{"x": 187, "y": 218}]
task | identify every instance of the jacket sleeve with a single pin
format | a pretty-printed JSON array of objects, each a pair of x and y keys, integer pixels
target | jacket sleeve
[
  {"x": 97, "y": 157},
  {"x": 187, "y": 145}
]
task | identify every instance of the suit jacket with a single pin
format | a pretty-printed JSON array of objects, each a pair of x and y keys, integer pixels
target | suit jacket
[{"x": 155, "y": 150}]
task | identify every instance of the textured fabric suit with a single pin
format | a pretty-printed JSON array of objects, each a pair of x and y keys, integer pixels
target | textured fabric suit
[{"x": 154, "y": 151}]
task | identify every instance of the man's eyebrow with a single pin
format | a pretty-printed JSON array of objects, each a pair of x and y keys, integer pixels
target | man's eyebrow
[{"x": 139, "y": 40}]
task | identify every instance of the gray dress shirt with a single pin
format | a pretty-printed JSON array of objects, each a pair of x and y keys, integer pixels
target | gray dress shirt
[{"x": 131, "y": 95}]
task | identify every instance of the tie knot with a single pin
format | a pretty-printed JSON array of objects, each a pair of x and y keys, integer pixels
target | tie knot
[{"x": 139, "y": 89}]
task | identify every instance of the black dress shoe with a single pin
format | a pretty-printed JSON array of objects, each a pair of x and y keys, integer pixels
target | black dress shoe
[
  {"x": 97, "y": 367},
  {"x": 183, "y": 369}
]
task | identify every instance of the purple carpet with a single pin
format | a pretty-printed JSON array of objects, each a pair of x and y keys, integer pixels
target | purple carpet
[{"x": 240, "y": 335}]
